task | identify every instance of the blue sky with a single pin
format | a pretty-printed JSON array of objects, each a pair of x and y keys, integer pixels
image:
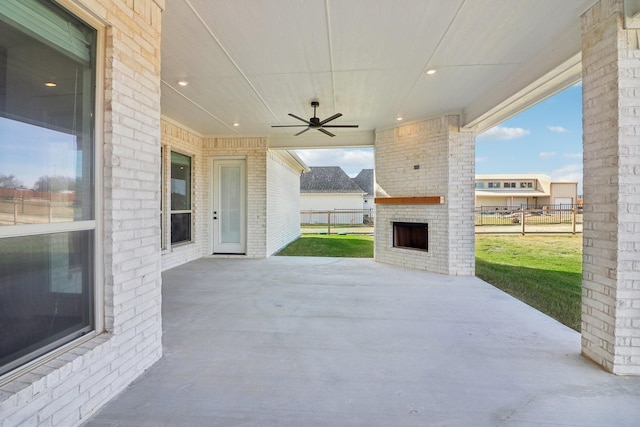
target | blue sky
[
  {"x": 546, "y": 138},
  {"x": 29, "y": 152}
]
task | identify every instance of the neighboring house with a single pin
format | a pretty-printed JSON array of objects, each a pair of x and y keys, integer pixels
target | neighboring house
[
  {"x": 365, "y": 180},
  {"x": 523, "y": 190},
  {"x": 329, "y": 188}
]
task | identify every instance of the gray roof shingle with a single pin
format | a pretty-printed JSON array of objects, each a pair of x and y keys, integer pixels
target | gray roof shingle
[
  {"x": 327, "y": 179},
  {"x": 365, "y": 181}
]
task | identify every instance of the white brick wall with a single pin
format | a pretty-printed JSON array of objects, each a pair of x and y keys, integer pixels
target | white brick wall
[
  {"x": 272, "y": 186},
  {"x": 428, "y": 158},
  {"x": 71, "y": 386},
  {"x": 267, "y": 177},
  {"x": 611, "y": 117},
  {"x": 255, "y": 151},
  {"x": 181, "y": 140},
  {"x": 461, "y": 200},
  {"x": 283, "y": 203}
]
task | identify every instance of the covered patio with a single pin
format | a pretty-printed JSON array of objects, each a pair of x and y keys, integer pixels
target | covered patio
[
  {"x": 181, "y": 98},
  {"x": 350, "y": 342}
]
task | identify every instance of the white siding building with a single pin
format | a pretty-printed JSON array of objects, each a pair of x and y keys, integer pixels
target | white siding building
[
  {"x": 329, "y": 188},
  {"x": 512, "y": 191}
]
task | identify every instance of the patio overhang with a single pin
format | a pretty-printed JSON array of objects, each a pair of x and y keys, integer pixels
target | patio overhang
[{"x": 256, "y": 63}]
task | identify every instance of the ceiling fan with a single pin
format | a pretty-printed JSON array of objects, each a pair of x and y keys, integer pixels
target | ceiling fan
[{"x": 315, "y": 123}]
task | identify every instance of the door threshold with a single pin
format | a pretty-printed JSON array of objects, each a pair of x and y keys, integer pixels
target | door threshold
[{"x": 227, "y": 255}]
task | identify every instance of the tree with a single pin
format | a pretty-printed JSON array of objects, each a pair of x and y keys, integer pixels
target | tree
[
  {"x": 55, "y": 183},
  {"x": 10, "y": 181}
]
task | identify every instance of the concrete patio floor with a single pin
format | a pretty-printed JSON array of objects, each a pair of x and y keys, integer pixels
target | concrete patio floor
[{"x": 289, "y": 341}]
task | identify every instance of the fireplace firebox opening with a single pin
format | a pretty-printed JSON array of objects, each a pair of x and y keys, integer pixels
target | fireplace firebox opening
[{"x": 411, "y": 235}]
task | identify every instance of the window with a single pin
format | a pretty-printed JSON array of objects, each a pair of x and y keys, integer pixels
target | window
[
  {"x": 47, "y": 200},
  {"x": 479, "y": 184},
  {"x": 526, "y": 185},
  {"x": 509, "y": 185},
  {"x": 180, "y": 198},
  {"x": 163, "y": 153},
  {"x": 494, "y": 185}
]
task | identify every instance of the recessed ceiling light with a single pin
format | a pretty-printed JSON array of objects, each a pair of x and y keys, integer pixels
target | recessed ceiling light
[
  {"x": 399, "y": 118},
  {"x": 183, "y": 82},
  {"x": 236, "y": 124},
  {"x": 431, "y": 71},
  {"x": 51, "y": 84}
]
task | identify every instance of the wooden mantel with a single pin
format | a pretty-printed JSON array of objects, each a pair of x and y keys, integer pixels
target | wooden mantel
[{"x": 424, "y": 200}]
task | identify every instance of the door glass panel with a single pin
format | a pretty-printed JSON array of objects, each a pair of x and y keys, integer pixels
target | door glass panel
[{"x": 230, "y": 203}]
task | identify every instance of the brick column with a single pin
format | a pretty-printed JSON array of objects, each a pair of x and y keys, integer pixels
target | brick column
[
  {"x": 611, "y": 255},
  {"x": 428, "y": 158}
]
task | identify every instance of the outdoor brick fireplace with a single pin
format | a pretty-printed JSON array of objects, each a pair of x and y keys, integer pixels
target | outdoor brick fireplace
[{"x": 425, "y": 196}]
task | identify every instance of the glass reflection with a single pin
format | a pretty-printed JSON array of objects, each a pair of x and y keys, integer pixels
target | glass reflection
[
  {"x": 40, "y": 171},
  {"x": 45, "y": 291},
  {"x": 180, "y": 182},
  {"x": 46, "y": 121},
  {"x": 180, "y": 198}
]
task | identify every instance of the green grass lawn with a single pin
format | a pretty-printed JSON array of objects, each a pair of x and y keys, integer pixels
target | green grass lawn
[
  {"x": 332, "y": 245},
  {"x": 544, "y": 271}
]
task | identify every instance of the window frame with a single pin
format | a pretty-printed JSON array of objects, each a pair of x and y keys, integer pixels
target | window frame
[
  {"x": 55, "y": 349},
  {"x": 163, "y": 197},
  {"x": 191, "y": 157}
]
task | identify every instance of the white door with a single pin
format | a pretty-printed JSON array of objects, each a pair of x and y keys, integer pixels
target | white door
[{"x": 229, "y": 207}]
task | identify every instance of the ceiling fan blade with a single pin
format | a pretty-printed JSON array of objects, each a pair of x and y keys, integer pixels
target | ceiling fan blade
[
  {"x": 340, "y": 126},
  {"x": 325, "y": 132},
  {"x": 287, "y": 126},
  {"x": 300, "y": 118},
  {"x": 302, "y": 131},
  {"x": 327, "y": 120}
]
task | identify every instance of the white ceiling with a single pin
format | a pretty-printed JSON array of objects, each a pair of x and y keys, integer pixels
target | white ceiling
[{"x": 254, "y": 61}]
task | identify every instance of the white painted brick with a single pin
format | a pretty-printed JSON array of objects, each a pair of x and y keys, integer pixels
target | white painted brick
[
  {"x": 439, "y": 149},
  {"x": 131, "y": 145},
  {"x": 283, "y": 203},
  {"x": 610, "y": 181}
]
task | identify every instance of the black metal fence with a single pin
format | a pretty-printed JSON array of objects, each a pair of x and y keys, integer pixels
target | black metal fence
[{"x": 563, "y": 218}]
